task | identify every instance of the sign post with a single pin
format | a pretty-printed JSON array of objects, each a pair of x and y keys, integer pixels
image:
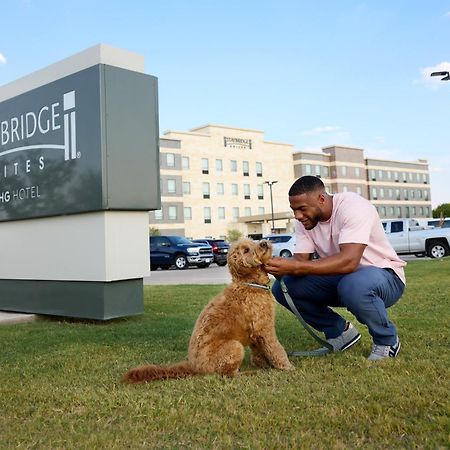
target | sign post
[{"x": 79, "y": 171}]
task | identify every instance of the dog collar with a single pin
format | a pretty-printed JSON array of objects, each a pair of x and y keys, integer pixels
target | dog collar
[{"x": 261, "y": 286}]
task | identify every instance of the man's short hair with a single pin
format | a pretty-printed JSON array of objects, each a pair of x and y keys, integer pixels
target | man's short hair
[{"x": 306, "y": 184}]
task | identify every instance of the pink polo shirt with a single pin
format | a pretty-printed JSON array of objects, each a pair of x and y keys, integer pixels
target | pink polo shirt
[{"x": 353, "y": 220}]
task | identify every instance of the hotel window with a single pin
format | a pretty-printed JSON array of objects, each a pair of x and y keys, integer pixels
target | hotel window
[
  {"x": 344, "y": 171},
  {"x": 233, "y": 165},
  {"x": 234, "y": 189},
  {"x": 404, "y": 177},
  {"x": 158, "y": 214},
  {"x": 405, "y": 194},
  {"x": 326, "y": 171},
  {"x": 374, "y": 193},
  {"x": 358, "y": 190},
  {"x": 357, "y": 172},
  {"x": 344, "y": 189},
  {"x": 390, "y": 193},
  {"x": 307, "y": 169},
  {"x": 381, "y": 193},
  {"x": 421, "y": 211},
  {"x": 172, "y": 212},
  {"x": 418, "y": 177},
  {"x": 411, "y": 176},
  {"x": 245, "y": 169},
  {"x": 317, "y": 170},
  {"x": 247, "y": 191},
  {"x": 185, "y": 162},
  {"x": 373, "y": 175},
  {"x": 389, "y": 174},
  {"x": 186, "y": 187},
  {"x": 413, "y": 211},
  {"x": 398, "y": 211},
  {"x": 205, "y": 189},
  {"x": 235, "y": 212},
  {"x": 187, "y": 213},
  {"x": 396, "y": 176},
  {"x": 171, "y": 186},
  {"x": 260, "y": 191},
  {"x": 170, "y": 159},
  {"x": 424, "y": 178},
  {"x": 221, "y": 212},
  {"x": 219, "y": 165},
  {"x": 207, "y": 214},
  {"x": 380, "y": 174},
  {"x": 220, "y": 189},
  {"x": 205, "y": 166},
  {"x": 391, "y": 211},
  {"x": 425, "y": 194},
  {"x": 247, "y": 211},
  {"x": 259, "y": 171},
  {"x": 261, "y": 210},
  {"x": 412, "y": 193},
  {"x": 397, "y": 194},
  {"x": 419, "y": 194},
  {"x": 427, "y": 211},
  {"x": 383, "y": 211}
]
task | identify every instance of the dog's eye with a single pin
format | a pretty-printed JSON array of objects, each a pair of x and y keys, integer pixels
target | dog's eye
[{"x": 246, "y": 250}]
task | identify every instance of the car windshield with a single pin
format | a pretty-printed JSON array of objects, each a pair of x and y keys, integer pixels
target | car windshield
[
  {"x": 180, "y": 240},
  {"x": 278, "y": 239}
]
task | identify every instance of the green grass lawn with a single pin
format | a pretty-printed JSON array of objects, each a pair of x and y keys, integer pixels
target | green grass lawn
[{"x": 60, "y": 382}]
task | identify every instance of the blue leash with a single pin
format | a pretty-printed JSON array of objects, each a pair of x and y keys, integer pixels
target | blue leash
[{"x": 327, "y": 347}]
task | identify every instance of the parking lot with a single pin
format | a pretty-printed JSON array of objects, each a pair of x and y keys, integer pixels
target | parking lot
[{"x": 211, "y": 275}]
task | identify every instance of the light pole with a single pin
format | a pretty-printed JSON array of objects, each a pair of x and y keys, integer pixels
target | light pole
[
  {"x": 444, "y": 74},
  {"x": 271, "y": 183}
]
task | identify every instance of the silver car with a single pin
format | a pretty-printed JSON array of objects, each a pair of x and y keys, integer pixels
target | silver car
[{"x": 282, "y": 244}]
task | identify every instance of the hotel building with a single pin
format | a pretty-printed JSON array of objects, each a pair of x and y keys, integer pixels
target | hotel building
[{"x": 216, "y": 178}]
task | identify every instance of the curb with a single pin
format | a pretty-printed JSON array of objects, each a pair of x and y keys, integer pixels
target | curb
[{"x": 12, "y": 318}]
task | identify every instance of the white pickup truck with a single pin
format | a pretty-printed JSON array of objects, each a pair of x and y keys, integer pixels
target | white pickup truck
[{"x": 407, "y": 237}]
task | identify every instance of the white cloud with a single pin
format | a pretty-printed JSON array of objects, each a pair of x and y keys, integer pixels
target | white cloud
[
  {"x": 433, "y": 82},
  {"x": 320, "y": 130},
  {"x": 2, "y": 59},
  {"x": 447, "y": 14}
]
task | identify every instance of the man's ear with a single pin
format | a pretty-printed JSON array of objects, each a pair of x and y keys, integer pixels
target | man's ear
[{"x": 321, "y": 199}]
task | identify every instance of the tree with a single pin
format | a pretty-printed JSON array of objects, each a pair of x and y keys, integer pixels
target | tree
[
  {"x": 233, "y": 235},
  {"x": 443, "y": 209},
  {"x": 153, "y": 231}
]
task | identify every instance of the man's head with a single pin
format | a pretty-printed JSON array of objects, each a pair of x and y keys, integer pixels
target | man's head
[{"x": 309, "y": 201}]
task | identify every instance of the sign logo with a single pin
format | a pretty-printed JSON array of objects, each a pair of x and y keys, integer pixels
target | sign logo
[
  {"x": 26, "y": 126},
  {"x": 237, "y": 142}
]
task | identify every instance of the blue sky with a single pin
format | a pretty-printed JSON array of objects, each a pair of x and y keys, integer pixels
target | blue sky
[{"x": 310, "y": 73}]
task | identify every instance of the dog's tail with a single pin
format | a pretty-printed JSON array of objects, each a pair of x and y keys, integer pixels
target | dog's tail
[{"x": 154, "y": 372}]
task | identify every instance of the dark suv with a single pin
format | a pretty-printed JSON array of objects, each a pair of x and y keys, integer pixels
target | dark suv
[
  {"x": 220, "y": 249},
  {"x": 166, "y": 251}
]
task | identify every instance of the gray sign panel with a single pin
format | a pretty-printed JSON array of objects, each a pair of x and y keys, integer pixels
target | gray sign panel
[{"x": 86, "y": 142}]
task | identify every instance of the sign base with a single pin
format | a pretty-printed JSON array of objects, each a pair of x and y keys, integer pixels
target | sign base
[{"x": 81, "y": 299}]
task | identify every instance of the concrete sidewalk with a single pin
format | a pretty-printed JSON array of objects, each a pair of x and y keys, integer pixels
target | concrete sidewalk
[{"x": 11, "y": 318}]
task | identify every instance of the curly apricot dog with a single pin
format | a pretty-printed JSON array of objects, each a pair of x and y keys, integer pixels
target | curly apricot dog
[{"x": 242, "y": 315}]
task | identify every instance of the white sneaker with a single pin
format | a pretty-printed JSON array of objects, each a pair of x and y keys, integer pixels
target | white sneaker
[
  {"x": 384, "y": 351},
  {"x": 349, "y": 337}
]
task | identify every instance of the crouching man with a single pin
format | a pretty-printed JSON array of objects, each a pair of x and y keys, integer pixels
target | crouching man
[{"x": 357, "y": 269}]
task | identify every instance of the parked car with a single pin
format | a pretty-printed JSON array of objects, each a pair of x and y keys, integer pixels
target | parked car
[
  {"x": 220, "y": 248},
  {"x": 282, "y": 244},
  {"x": 166, "y": 251},
  {"x": 408, "y": 237}
]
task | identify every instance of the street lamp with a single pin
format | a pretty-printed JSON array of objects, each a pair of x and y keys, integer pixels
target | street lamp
[
  {"x": 444, "y": 74},
  {"x": 271, "y": 183}
]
